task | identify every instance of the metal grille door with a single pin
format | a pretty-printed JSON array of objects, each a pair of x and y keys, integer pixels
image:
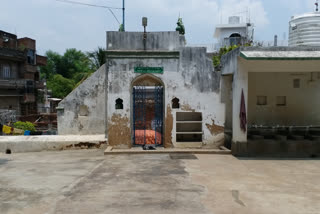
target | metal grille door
[{"x": 148, "y": 115}]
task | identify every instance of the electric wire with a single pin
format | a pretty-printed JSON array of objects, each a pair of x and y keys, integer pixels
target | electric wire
[
  {"x": 91, "y": 5},
  {"x": 94, "y": 5}
]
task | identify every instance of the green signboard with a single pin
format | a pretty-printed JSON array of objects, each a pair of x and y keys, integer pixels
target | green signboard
[{"x": 148, "y": 70}]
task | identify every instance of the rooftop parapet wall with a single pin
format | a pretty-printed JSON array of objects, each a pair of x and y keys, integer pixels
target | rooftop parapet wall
[
  {"x": 229, "y": 60},
  {"x": 164, "y": 41},
  {"x": 83, "y": 110}
]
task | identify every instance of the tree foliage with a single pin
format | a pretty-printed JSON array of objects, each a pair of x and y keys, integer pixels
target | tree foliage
[
  {"x": 217, "y": 58},
  {"x": 64, "y": 72},
  {"x": 97, "y": 57},
  {"x": 222, "y": 51},
  {"x": 60, "y": 86}
]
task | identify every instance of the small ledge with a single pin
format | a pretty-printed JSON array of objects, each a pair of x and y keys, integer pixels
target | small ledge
[
  {"x": 189, "y": 133},
  {"x": 189, "y": 121}
]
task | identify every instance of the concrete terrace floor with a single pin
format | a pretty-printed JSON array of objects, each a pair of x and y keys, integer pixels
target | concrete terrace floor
[{"x": 85, "y": 181}]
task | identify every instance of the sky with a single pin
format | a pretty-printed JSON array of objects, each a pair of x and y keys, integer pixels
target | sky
[{"x": 57, "y": 26}]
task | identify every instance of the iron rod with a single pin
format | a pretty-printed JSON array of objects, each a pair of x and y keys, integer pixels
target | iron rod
[{"x": 123, "y": 15}]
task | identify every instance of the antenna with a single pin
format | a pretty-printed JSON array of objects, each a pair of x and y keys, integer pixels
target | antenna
[{"x": 317, "y": 6}]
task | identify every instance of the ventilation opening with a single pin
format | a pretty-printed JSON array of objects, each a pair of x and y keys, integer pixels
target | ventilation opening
[
  {"x": 119, "y": 104},
  {"x": 281, "y": 101},
  {"x": 84, "y": 111},
  {"x": 296, "y": 83},
  {"x": 262, "y": 100},
  {"x": 175, "y": 103},
  {"x": 8, "y": 151}
]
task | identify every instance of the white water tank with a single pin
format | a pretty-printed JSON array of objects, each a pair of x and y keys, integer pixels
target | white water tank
[{"x": 304, "y": 30}]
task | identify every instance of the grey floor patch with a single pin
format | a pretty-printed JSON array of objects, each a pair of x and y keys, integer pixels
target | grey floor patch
[
  {"x": 183, "y": 157},
  {"x": 236, "y": 196},
  {"x": 3, "y": 161}
]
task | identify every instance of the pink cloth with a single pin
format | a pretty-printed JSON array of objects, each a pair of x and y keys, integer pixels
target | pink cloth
[{"x": 243, "y": 114}]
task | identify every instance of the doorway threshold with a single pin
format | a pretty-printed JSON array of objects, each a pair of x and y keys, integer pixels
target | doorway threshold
[{"x": 161, "y": 150}]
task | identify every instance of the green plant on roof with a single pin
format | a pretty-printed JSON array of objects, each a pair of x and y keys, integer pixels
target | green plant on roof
[
  {"x": 121, "y": 28},
  {"x": 180, "y": 28}
]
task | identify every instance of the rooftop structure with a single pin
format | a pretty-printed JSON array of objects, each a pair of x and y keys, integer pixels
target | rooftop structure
[
  {"x": 234, "y": 33},
  {"x": 304, "y": 29},
  {"x": 19, "y": 74}
]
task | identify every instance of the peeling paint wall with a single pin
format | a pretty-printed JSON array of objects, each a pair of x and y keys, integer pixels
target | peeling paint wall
[
  {"x": 119, "y": 134},
  {"x": 189, "y": 76},
  {"x": 83, "y": 110}
]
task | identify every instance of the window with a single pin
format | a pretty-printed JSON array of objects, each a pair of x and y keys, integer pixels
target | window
[
  {"x": 235, "y": 39},
  {"x": 262, "y": 100},
  {"x": 119, "y": 104},
  {"x": 175, "y": 103},
  {"x": 281, "y": 100},
  {"x": 31, "y": 57},
  {"x": 296, "y": 83},
  {"x": 29, "y": 87},
  {"x": 6, "y": 72}
]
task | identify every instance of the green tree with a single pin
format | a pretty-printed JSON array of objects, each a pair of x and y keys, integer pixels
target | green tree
[
  {"x": 97, "y": 58},
  {"x": 64, "y": 72},
  {"x": 60, "y": 86},
  {"x": 73, "y": 62},
  {"x": 53, "y": 65}
]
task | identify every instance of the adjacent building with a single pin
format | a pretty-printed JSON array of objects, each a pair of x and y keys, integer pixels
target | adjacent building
[
  {"x": 272, "y": 99},
  {"x": 19, "y": 74},
  {"x": 234, "y": 33}
]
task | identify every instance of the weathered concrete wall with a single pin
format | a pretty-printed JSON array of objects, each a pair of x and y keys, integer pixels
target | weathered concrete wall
[
  {"x": 83, "y": 110},
  {"x": 226, "y": 98},
  {"x": 197, "y": 70},
  {"x": 189, "y": 76},
  {"x": 134, "y": 41},
  {"x": 19, "y": 144},
  {"x": 229, "y": 62},
  {"x": 240, "y": 83}
]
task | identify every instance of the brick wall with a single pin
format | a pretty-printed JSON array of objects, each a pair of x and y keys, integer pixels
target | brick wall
[
  {"x": 27, "y": 43},
  {"x": 29, "y": 76},
  {"x": 8, "y": 40}
]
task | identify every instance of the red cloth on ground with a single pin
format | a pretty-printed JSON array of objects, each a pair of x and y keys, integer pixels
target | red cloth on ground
[
  {"x": 149, "y": 135},
  {"x": 243, "y": 114}
]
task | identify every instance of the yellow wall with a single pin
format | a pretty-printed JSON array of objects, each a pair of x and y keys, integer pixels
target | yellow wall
[{"x": 303, "y": 104}]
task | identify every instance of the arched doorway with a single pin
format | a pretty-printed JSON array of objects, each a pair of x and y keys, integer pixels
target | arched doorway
[
  {"x": 148, "y": 111},
  {"x": 235, "y": 39}
]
